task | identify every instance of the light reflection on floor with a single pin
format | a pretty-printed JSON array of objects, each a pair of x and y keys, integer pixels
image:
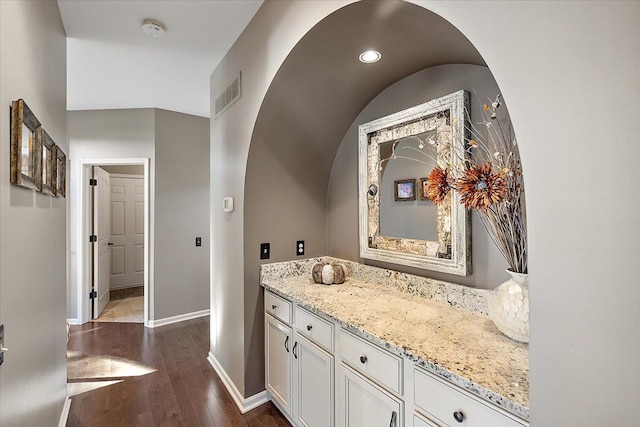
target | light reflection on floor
[{"x": 86, "y": 373}]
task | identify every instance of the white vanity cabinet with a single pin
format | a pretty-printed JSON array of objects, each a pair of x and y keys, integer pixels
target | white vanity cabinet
[
  {"x": 447, "y": 405},
  {"x": 278, "y": 341},
  {"x": 366, "y": 404},
  {"x": 314, "y": 384},
  {"x": 299, "y": 365},
  {"x": 321, "y": 375}
]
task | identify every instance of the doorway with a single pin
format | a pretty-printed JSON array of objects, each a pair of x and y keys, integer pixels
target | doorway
[
  {"x": 118, "y": 224},
  {"x": 114, "y": 261}
]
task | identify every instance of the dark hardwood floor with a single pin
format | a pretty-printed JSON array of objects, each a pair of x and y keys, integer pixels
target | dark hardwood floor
[{"x": 122, "y": 374}]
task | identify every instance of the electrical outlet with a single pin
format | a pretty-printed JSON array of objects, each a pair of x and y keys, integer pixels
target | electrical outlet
[
  {"x": 300, "y": 247},
  {"x": 1, "y": 344},
  {"x": 265, "y": 250},
  {"x": 198, "y": 241}
]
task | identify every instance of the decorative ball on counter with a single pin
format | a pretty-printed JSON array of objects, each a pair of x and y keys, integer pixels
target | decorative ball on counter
[{"x": 329, "y": 274}]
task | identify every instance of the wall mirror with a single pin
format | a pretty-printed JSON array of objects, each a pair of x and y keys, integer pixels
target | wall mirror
[{"x": 404, "y": 147}]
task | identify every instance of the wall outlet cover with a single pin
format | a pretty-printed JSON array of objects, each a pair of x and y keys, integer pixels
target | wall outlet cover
[
  {"x": 265, "y": 250},
  {"x": 300, "y": 247}
]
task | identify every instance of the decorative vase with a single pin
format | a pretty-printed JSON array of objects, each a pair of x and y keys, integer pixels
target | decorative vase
[{"x": 509, "y": 307}]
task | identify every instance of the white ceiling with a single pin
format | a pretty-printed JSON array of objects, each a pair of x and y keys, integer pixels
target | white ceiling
[{"x": 111, "y": 63}]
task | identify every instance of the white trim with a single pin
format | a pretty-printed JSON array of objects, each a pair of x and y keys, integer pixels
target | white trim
[
  {"x": 245, "y": 405},
  {"x": 84, "y": 250},
  {"x": 126, "y": 175},
  {"x": 178, "y": 318},
  {"x": 64, "y": 415},
  {"x": 74, "y": 321}
]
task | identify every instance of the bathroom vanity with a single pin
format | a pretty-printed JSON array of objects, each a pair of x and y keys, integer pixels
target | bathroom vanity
[{"x": 387, "y": 349}]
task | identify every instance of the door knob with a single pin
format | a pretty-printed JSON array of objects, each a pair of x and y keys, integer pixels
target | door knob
[{"x": 110, "y": 243}]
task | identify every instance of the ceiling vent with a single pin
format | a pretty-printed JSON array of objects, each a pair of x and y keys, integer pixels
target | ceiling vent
[{"x": 229, "y": 96}]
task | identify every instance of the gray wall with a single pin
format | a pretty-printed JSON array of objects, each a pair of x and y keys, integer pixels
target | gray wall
[
  {"x": 177, "y": 146},
  {"x": 33, "y": 266},
  {"x": 182, "y": 213},
  {"x": 584, "y": 317},
  {"x": 342, "y": 218},
  {"x": 106, "y": 134}
]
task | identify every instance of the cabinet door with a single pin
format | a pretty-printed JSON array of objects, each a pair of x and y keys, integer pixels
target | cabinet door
[
  {"x": 367, "y": 404},
  {"x": 314, "y": 384},
  {"x": 278, "y": 361}
]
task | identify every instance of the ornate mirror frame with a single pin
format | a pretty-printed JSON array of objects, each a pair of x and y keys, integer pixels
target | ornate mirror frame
[{"x": 445, "y": 117}]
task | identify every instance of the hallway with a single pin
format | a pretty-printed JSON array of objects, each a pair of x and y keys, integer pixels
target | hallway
[{"x": 122, "y": 374}]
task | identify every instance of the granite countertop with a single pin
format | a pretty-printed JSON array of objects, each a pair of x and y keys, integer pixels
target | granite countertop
[{"x": 459, "y": 345}]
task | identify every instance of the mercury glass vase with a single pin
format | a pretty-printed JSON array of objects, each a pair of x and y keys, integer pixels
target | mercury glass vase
[{"x": 509, "y": 307}]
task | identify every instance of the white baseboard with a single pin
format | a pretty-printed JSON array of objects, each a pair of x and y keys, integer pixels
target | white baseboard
[
  {"x": 74, "y": 321},
  {"x": 64, "y": 415},
  {"x": 178, "y": 318},
  {"x": 245, "y": 405}
]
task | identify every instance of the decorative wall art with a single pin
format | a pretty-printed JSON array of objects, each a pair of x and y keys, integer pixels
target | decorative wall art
[
  {"x": 48, "y": 148},
  {"x": 424, "y": 187},
  {"x": 59, "y": 172},
  {"x": 404, "y": 190},
  {"x": 26, "y": 163},
  {"x": 36, "y": 161}
]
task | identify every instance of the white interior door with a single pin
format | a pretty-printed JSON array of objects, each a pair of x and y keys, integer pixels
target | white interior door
[
  {"x": 102, "y": 229},
  {"x": 127, "y": 231}
]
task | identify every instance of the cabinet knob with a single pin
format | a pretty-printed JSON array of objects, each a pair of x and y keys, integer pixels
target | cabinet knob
[
  {"x": 459, "y": 416},
  {"x": 273, "y": 307},
  {"x": 309, "y": 327},
  {"x": 363, "y": 359}
]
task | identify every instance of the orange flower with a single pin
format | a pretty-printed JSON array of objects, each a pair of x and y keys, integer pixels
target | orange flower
[
  {"x": 438, "y": 185},
  {"x": 480, "y": 188}
]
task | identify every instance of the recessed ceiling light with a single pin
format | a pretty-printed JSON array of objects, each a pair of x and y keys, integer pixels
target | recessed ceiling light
[
  {"x": 370, "y": 56},
  {"x": 153, "y": 28}
]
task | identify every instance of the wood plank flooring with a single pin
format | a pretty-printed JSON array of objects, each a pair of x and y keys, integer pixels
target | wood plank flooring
[{"x": 122, "y": 374}]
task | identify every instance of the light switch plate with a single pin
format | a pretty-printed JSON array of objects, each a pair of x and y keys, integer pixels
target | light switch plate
[{"x": 265, "y": 250}]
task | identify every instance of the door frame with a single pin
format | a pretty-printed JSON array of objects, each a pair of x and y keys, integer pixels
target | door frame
[{"x": 84, "y": 267}]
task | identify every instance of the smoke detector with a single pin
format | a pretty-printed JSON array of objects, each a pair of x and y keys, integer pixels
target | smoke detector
[{"x": 153, "y": 28}]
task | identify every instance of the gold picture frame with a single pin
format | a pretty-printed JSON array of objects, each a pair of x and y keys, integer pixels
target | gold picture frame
[
  {"x": 26, "y": 163},
  {"x": 59, "y": 172},
  {"x": 47, "y": 162}
]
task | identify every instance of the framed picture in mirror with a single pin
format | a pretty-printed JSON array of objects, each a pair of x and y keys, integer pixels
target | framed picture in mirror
[
  {"x": 47, "y": 145},
  {"x": 25, "y": 169},
  {"x": 404, "y": 190},
  {"x": 424, "y": 182},
  {"x": 59, "y": 172}
]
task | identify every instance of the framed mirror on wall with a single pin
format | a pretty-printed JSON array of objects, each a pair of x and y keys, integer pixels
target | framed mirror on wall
[
  {"x": 403, "y": 148},
  {"x": 26, "y": 162}
]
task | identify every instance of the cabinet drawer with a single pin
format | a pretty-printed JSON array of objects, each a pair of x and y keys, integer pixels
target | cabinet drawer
[
  {"x": 277, "y": 307},
  {"x": 420, "y": 421},
  {"x": 374, "y": 362},
  {"x": 316, "y": 329},
  {"x": 442, "y": 400}
]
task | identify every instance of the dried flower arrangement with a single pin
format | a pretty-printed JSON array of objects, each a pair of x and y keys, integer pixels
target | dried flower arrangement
[
  {"x": 488, "y": 180},
  {"x": 491, "y": 183}
]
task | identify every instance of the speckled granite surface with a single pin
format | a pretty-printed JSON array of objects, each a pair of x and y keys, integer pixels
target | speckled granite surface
[{"x": 442, "y": 327}]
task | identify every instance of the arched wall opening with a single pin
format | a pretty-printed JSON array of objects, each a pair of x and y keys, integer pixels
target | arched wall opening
[{"x": 301, "y": 173}]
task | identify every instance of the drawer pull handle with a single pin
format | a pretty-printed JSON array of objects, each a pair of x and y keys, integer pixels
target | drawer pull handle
[
  {"x": 294, "y": 349},
  {"x": 286, "y": 344},
  {"x": 394, "y": 419},
  {"x": 363, "y": 359},
  {"x": 459, "y": 416},
  {"x": 273, "y": 307},
  {"x": 309, "y": 327}
]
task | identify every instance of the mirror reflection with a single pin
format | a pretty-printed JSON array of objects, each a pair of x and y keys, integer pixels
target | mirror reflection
[{"x": 397, "y": 153}]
